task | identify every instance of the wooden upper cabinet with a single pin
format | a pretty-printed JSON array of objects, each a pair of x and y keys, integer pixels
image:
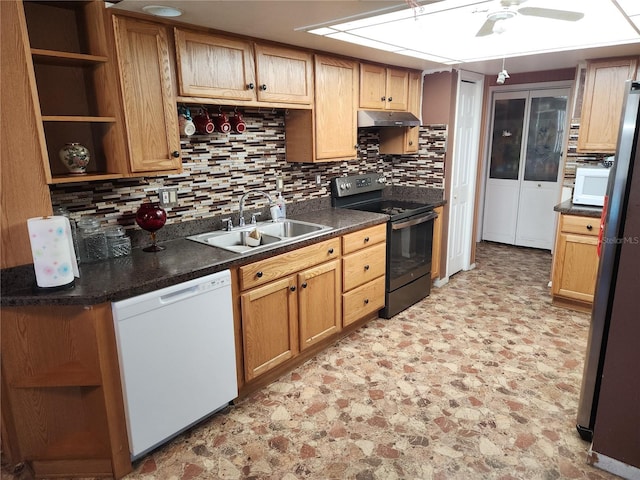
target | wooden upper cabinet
[
  {"x": 383, "y": 88},
  {"x": 602, "y": 103},
  {"x": 336, "y": 121},
  {"x": 214, "y": 66},
  {"x": 403, "y": 141},
  {"x": 149, "y": 103},
  {"x": 284, "y": 75}
]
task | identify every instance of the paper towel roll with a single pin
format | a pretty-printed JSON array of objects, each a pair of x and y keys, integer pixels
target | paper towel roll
[{"x": 54, "y": 259}]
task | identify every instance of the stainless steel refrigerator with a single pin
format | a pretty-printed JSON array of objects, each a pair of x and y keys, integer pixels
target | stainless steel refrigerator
[{"x": 615, "y": 239}]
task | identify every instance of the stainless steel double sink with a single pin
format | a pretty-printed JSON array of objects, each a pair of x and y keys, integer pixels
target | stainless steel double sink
[{"x": 273, "y": 234}]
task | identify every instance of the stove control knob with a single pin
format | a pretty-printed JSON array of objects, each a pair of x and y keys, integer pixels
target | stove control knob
[
  {"x": 348, "y": 185},
  {"x": 343, "y": 186}
]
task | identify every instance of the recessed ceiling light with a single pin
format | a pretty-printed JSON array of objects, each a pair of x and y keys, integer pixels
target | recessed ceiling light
[{"x": 162, "y": 11}]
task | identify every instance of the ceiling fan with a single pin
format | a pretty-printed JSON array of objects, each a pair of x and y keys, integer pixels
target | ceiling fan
[{"x": 511, "y": 8}]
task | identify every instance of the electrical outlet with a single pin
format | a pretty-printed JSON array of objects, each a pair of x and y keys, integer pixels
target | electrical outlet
[
  {"x": 279, "y": 184},
  {"x": 168, "y": 197},
  {"x": 318, "y": 180}
]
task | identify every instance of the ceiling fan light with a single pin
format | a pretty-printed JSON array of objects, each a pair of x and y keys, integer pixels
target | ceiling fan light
[
  {"x": 500, "y": 26},
  {"x": 162, "y": 11}
]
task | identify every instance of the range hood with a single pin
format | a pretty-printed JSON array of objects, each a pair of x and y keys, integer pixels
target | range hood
[{"x": 380, "y": 118}]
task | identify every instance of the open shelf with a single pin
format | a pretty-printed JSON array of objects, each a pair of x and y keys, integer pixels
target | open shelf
[
  {"x": 77, "y": 118},
  {"x": 73, "y": 79},
  {"x": 55, "y": 57}
]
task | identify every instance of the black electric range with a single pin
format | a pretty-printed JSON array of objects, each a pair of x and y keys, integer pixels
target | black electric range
[{"x": 409, "y": 237}]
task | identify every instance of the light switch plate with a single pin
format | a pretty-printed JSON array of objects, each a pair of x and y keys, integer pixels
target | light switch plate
[{"x": 168, "y": 197}]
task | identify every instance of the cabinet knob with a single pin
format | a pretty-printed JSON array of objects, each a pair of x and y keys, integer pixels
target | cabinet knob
[
  {"x": 366, "y": 267},
  {"x": 175, "y": 154},
  {"x": 384, "y": 99},
  {"x": 263, "y": 87},
  {"x": 366, "y": 239},
  {"x": 589, "y": 227},
  {"x": 366, "y": 301},
  {"x": 330, "y": 251},
  {"x": 410, "y": 142},
  {"x": 304, "y": 285},
  {"x": 259, "y": 274},
  {"x": 251, "y": 86},
  {"x": 292, "y": 288},
  {"x": 390, "y": 99}
]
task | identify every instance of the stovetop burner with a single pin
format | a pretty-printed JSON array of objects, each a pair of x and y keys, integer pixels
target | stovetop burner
[{"x": 396, "y": 209}]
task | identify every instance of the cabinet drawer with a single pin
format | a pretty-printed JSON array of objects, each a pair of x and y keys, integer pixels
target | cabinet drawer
[
  {"x": 580, "y": 225},
  {"x": 363, "y": 266},
  {"x": 362, "y": 301},
  {"x": 270, "y": 269},
  {"x": 363, "y": 238}
]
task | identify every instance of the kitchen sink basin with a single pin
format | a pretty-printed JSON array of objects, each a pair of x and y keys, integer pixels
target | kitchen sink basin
[{"x": 273, "y": 234}]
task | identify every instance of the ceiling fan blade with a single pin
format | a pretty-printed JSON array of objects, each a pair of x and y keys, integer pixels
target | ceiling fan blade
[
  {"x": 486, "y": 29},
  {"x": 551, "y": 13}
]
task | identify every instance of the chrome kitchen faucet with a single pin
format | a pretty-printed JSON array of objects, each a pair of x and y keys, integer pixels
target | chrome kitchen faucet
[{"x": 242, "y": 198}]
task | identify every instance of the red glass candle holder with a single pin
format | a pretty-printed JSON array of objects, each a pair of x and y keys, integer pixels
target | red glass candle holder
[{"x": 151, "y": 217}]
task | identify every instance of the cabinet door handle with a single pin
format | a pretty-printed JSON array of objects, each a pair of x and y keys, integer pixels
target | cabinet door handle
[
  {"x": 366, "y": 267},
  {"x": 263, "y": 87},
  {"x": 292, "y": 288},
  {"x": 366, "y": 301},
  {"x": 259, "y": 274},
  {"x": 330, "y": 251},
  {"x": 391, "y": 99},
  {"x": 175, "y": 154},
  {"x": 589, "y": 227},
  {"x": 304, "y": 285},
  {"x": 251, "y": 86}
]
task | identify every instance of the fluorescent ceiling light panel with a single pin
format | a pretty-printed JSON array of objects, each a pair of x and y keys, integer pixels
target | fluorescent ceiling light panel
[{"x": 446, "y": 31}]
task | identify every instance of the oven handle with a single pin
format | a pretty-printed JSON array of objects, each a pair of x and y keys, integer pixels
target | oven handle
[{"x": 414, "y": 221}]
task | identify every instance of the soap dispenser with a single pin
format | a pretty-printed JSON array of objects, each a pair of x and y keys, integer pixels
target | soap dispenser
[{"x": 281, "y": 205}]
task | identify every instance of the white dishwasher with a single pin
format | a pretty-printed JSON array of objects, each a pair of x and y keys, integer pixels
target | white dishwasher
[{"x": 176, "y": 351}]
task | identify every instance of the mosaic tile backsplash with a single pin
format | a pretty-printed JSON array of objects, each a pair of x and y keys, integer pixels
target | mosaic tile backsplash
[{"x": 219, "y": 168}]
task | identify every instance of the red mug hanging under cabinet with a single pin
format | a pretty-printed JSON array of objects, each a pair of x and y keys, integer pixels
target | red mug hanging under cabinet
[
  {"x": 237, "y": 123},
  {"x": 203, "y": 123},
  {"x": 222, "y": 123}
]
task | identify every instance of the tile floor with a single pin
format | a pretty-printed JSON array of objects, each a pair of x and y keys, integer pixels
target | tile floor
[{"x": 478, "y": 381}]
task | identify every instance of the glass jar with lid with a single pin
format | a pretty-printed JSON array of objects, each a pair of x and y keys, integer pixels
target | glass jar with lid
[
  {"x": 92, "y": 240},
  {"x": 118, "y": 244}
]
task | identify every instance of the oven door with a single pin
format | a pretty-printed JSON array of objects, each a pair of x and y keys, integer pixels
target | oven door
[{"x": 409, "y": 243}]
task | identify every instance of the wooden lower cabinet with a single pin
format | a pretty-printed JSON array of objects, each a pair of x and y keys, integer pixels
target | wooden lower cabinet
[
  {"x": 363, "y": 269},
  {"x": 293, "y": 304},
  {"x": 436, "y": 247},
  {"x": 575, "y": 262},
  {"x": 288, "y": 303},
  {"x": 269, "y": 326},
  {"x": 320, "y": 309},
  {"x": 62, "y": 407}
]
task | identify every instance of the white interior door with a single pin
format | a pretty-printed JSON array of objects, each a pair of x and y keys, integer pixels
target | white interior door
[
  {"x": 503, "y": 182},
  {"x": 522, "y": 187},
  {"x": 465, "y": 159},
  {"x": 541, "y": 173}
]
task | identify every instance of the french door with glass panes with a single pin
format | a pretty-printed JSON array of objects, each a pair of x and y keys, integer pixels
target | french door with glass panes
[{"x": 526, "y": 146}]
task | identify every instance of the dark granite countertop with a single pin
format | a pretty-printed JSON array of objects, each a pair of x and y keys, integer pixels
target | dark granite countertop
[
  {"x": 182, "y": 260},
  {"x": 569, "y": 208}
]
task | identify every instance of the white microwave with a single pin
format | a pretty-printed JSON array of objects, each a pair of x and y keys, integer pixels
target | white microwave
[{"x": 591, "y": 185}]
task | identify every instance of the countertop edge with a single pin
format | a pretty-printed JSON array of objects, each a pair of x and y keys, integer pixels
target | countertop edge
[
  {"x": 569, "y": 208},
  {"x": 114, "y": 280}
]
